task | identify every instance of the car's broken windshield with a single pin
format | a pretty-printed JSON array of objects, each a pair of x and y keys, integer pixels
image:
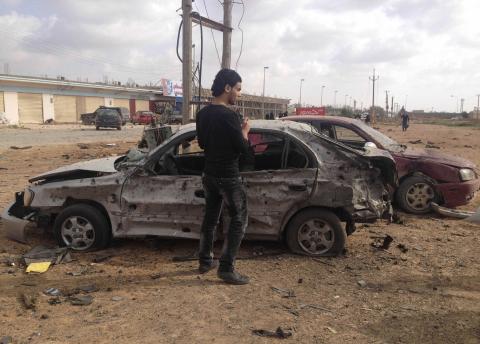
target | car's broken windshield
[{"x": 384, "y": 140}]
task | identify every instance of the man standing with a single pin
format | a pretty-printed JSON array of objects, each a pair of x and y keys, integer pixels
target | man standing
[
  {"x": 405, "y": 119},
  {"x": 224, "y": 137}
]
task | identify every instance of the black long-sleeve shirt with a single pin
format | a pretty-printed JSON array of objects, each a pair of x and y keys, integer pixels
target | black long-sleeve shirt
[{"x": 219, "y": 134}]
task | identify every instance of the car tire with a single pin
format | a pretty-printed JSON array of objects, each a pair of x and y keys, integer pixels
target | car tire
[
  {"x": 119, "y": 128},
  {"x": 87, "y": 223},
  {"x": 316, "y": 232},
  {"x": 97, "y": 128},
  {"x": 415, "y": 194}
]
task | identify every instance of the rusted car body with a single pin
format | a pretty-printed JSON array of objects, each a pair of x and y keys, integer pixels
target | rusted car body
[
  {"x": 425, "y": 175},
  {"x": 293, "y": 169}
]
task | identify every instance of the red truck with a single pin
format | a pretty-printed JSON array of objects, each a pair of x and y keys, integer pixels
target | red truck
[{"x": 143, "y": 117}]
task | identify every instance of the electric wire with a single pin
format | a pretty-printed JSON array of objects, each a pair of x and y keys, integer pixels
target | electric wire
[
  {"x": 241, "y": 30},
  {"x": 44, "y": 46},
  {"x": 211, "y": 31}
]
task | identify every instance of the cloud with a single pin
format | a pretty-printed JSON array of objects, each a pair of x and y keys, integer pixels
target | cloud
[{"x": 427, "y": 50}]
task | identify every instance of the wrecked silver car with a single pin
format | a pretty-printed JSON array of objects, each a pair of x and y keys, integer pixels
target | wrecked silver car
[{"x": 300, "y": 184}]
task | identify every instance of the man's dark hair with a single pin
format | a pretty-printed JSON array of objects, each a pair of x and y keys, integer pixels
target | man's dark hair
[{"x": 223, "y": 78}]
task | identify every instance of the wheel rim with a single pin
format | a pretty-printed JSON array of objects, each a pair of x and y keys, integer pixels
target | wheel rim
[
  {"x": 316, "y": 236},
  {"x": 419, "y": 196},
  {"x": 78, "y": 233}
]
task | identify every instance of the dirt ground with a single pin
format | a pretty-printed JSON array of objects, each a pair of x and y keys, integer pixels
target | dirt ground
[{"x": 427, "y": 293}]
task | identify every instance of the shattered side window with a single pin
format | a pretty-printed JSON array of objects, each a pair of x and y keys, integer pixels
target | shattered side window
[
  {"x": 268, "y": 150},
  {"x": 189, "y": 146},
  {"x": 345, "y": 134},
  {"x": 297, "y": 157}
]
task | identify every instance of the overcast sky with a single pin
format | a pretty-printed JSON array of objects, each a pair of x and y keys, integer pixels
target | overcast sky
[{"x": 424, "y": 51}]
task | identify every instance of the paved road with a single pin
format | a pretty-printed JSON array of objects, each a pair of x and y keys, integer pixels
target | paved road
[{"x": 40, "y": 135}]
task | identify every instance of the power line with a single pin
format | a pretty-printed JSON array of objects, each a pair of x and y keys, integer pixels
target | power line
[
  {"x": 241, "y": 30},
  {"x": 211, "y": 30},
  {"x": 48, "y": 47}
]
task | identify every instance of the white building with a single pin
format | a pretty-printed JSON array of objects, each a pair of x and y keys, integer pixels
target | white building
[{"x": 35, "y": 100}]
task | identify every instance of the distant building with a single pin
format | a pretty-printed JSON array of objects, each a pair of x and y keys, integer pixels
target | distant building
[{"x": 35, "y": 100}]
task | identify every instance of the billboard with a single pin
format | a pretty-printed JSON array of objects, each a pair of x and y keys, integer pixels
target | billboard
[
  {"x": 315, "y": 111},
  {"x": 172, "y": 88}
]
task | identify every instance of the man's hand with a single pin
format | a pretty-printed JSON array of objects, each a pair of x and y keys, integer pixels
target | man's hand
[{"x": 245, "y": 128}]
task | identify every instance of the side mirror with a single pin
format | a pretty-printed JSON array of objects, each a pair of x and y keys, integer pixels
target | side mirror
[{"x": 370, "y": 145}]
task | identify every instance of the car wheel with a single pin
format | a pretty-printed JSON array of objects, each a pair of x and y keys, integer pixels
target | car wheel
[
  {"x": 119, "y": 128},
  {"x": 415, "y": 195},
  {"x": 97, "y": 128},
  {"x": 82, "y": 228},
  {"x": 316, "y": 232}
]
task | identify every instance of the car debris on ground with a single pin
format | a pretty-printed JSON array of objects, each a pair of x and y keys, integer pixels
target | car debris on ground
[
  {"x": 83, "y": 300},
  {"x": 279, "y": 333}
]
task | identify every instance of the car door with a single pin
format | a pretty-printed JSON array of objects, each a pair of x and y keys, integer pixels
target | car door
[
  {"x": 282, "y": 177},
  {"x": 169, "y": 203}
]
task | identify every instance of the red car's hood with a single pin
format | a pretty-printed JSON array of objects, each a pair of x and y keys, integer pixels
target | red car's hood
[{"x": 437, "y": 156}]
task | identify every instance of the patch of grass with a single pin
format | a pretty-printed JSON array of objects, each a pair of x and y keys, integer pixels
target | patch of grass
[
  {"x": 450, "y": 123},
  {"x": 15, "y": 126}
]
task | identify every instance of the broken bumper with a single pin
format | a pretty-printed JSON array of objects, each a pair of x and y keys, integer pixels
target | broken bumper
[
  {"x": 457, "y": 214},
  {"x": 456, "y": 194},
  {"x": 14, "y": 226}
]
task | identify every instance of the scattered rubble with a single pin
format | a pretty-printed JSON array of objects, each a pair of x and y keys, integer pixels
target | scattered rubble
[
  {"x": 383, "y": 245},
  {"x": 52, "y": 292},
  {"x": 432, "y": 146},
  {"x": 84, "y": 300},
  {"x": 285, "y": 293},
  {"x": 6, "y": 340},
  {"x": 22, "y": 148},
  {"x": 279, "y": 333},
  {"x": 362, "y": 283},
  {"x": 416, "y": 142},
  {"x": 83, "y": 146},
  {"x": 29, "y": 301},
  {"x": 39, "y": 267},
  {"x": 402, "y": 248}
]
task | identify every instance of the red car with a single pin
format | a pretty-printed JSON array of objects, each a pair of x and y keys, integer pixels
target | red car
[
  {"x": 143, "y": 117},
  {"x": 424, "y": 175}
]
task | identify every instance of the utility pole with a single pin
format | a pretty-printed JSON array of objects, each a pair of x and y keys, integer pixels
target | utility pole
[
  {"x": 263, "y": 93},
  {"x": 321, "y": 95},
  {"x": 478, "y": 105},
  {"x": 335, "y": 102},
  {"x": 462, "y": 100},
  {"x": 227, "y": 34},
  {"x": 188, "y": 17},
  {"x": 186, "y": 59},
  {"x": 391, "y": 106},
  {"x": 374, "y": 79},
  {"x": 386, "y": 102},
  {"x": 300, "y": 98}
]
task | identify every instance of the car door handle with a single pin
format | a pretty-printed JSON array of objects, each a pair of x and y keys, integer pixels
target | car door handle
[
  {"x": 297, "y": 187},
  {"x": 199, "y": 193}
]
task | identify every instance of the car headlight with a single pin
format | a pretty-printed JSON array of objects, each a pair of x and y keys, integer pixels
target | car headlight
[
  {"x": 28, "y": 196},
  {"x": 466, "y": 174}
]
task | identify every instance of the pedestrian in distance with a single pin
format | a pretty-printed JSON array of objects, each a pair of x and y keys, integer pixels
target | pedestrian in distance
[
  {"x": 223, "y": 135},
  {"x": 405, "y": 119}
]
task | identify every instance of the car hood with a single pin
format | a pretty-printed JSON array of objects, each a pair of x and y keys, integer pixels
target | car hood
[
  {"x": 105, "y": 165},
  {"x": 437, "y": 156}
]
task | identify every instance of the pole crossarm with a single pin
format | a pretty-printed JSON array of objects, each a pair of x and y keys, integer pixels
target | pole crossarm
[{"x": 211, "y": 24}]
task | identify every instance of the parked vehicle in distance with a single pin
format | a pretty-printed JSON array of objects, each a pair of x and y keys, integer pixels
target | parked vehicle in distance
[
  {"x": 143, "y": 117},
  {"x": 90, "y": 118},
  {"x": 425, "y": 175},
  {"x": 109, "y": 118},
  {"x": 300, "y": 187}
]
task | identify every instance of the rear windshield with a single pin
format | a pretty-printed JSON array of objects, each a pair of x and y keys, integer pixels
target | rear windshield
[{"x": 108, "y": 113}]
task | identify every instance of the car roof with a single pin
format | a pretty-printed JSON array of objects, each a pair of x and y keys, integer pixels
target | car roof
[
  {"x": 329, "y": 119},
  {"x": 287, "y": 126}
]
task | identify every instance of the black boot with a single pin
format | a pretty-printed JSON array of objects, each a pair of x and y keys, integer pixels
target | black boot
[{"x": 233, "y": 277}]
